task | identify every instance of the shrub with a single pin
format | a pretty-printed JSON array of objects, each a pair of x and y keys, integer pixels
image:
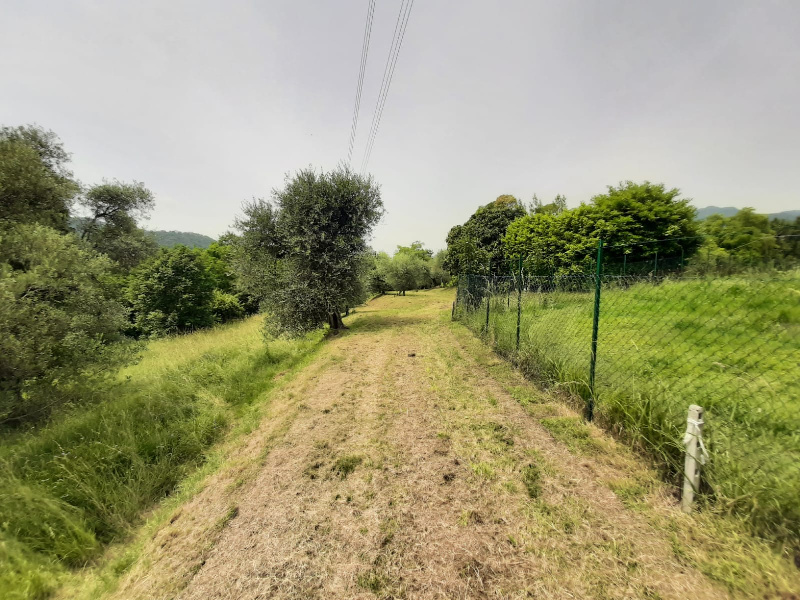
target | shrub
[
  {"x": 226, "y": 307},
  {"x": 173, "y": 293},
  {"x": 60, "y": 316}
]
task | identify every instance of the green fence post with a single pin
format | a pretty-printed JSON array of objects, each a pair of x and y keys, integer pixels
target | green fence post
[
  {"x": 595, "y": 325},
  {"x": 519, "y": 301},
  {"x": 488, "y": 295}
]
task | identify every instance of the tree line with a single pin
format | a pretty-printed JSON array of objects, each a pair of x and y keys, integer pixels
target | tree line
[
  {"x": 81, "y": 282},
  {"x": 636, "y": 221}
]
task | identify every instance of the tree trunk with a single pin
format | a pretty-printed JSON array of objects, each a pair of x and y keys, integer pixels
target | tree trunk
[{"x": 335, "y": 321}]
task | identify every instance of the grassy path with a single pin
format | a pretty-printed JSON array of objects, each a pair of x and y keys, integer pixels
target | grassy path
[{"x": 407, "y": 461}]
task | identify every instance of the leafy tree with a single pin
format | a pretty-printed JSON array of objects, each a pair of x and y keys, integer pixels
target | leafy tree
[
  {"x": 472, "y": 245},
  {"x": 439, "y": 275},
  {"x": 556, "y": 207},
  {"x": 35, "y": 186},
  {"x": 627, "y": 215},
  {"x": 377, "y": 276},
  {"x": 746, "y": 236},
  {"x": 111, "y": 228},
  {"x": 788, "y": 233},
  {"x": 417, "y": 250},
  {"x": 464, "y": 255},
  {"x": 219, "y": 258},
  {"x": 407, "y": 271},
  {"x": 173, "y": 292},
  {"x": 61, "y": 319},
  {"x": 304, "y": 255}
]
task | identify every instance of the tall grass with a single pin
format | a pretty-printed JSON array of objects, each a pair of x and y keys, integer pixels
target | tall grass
[
  {"x": 731, "y": 345},
  {"x": 80, "y": 482}
]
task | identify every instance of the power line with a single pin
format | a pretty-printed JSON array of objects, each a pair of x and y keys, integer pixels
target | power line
[
  {"x": 388, "y": 73},
  {"x": 364, "y": 52}
]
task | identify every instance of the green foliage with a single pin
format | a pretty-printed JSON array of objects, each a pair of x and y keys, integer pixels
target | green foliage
[
  {"x": 305, "y": 256},
  {"x": 532, "y": 480},
  {"x": 173, "y": 293},
  {"x": 416, "y": 250},
  {"x": 472, "y": 245},
  {"x": 788, "y": 241},
  {"x": 80, "y": 481},
  {"x": 438, "y": 273},
  {"x": 377, "y": 278},
  {"x": 60, "y": 319},
  {"x": 58, "y": 530},
  {"x": 24, "y": 575},
  {"x": 35, "y": 186},
  {"x": 746, "y": 240},
  {"x": 746, "y": 235},
  {"x": 411, "y": 268},
  {"x": 627, "y": 214},
  {"x": 226, "y": 307},
  {"x": 219, "y": 259},
  {"x": 111, "y": 227},
  {"x": 554, "y": 208},
  {"x": 407, "y": 271},
  {"x": 345, "y": 465},
  {"x": 170, "y": 239}
]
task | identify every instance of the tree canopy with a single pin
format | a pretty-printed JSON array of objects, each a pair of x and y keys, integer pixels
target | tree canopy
[
  {"x": 474, "y": 244},
  {"x": 173, "y": 292},
  {"x": 35, "y": 185},
  {"x": 628, "y": 214},
  {"x": 304, "y": 253}
]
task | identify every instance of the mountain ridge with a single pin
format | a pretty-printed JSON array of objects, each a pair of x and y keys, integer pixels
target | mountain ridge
[
  {"x": 169, "y": 239},
  {"x": 729, "y": 211}
]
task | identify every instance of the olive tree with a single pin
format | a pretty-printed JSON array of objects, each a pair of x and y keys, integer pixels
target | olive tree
[
  {"x": 408, "y": 272},
  {"x": 303, "y": 253},
  {"x": 112, "y": 225}
]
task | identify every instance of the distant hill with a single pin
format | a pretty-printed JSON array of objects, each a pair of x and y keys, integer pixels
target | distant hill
[
  {"x": 788, "y": 215},
  {"x": 729, "y": 211},
  {"x": 168, "y": 239}
]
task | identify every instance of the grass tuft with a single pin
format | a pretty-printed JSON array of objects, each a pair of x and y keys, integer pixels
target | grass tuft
[
  {"x": 346, "y": 464},
  {"x": 532, "y": 480}
]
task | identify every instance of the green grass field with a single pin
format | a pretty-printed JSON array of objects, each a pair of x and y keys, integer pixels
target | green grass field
[
  {"x": 79, "y": 483},
  {"x": 731, "y": 345}
]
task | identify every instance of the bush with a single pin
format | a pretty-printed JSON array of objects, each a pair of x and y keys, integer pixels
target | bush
[
  {"x": 226, "y": 307},
  {"x": 60, "y": 319},
  {"x": 173, "y": 293}
]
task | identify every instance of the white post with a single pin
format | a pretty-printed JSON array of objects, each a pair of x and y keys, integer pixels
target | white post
[{"x": 695, "y": 456}]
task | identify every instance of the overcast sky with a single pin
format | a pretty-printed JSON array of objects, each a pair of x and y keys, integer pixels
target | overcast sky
[{"x": 212, "y": 103}]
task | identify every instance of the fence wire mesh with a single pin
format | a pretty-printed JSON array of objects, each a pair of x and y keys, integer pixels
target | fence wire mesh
[{"x": 668, "y": 334}]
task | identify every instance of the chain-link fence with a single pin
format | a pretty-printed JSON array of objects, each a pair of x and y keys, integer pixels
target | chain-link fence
[{"x": 639, "y": 341}]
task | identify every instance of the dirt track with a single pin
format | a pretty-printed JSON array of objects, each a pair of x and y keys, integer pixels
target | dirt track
[{"x": 399, "y": 464}]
